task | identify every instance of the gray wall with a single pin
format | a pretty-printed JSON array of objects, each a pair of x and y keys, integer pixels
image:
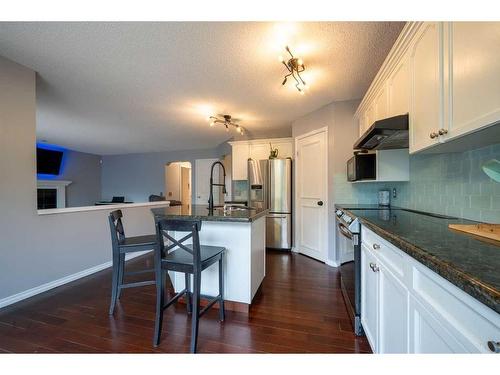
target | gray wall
[
  {"x": 84, "y": 170},
  {"x": 136, "y": 176},
  {"x": 38, "y": 249}
]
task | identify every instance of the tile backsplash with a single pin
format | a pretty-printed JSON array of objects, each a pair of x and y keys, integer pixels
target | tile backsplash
[{"x": 451, "y": 184}]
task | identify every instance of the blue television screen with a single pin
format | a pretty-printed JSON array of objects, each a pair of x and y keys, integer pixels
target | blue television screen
[{"x": 48, "y": 161}]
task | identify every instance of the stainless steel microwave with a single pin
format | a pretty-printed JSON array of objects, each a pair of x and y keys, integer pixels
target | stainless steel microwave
[{"x": 361, "y": 167}]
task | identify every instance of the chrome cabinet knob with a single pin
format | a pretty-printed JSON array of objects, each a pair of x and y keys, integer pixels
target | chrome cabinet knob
[
  {"x": 433, "y": 135},
  {"x": 376, "y": 246},
  {"x": 374, "y": 267},
  {"x": 442, "y": 131},
  {"x": 494, "y": 346}
]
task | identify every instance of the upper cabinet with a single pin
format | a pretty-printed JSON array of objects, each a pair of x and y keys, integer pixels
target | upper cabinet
[
  {"x": 474, "y": 75},
  {"x": 257, "y": 149},
  {"x": 398, "y": 88},
  {"x": 446, "y": 76},
  {"x": 426, "y": 77}
]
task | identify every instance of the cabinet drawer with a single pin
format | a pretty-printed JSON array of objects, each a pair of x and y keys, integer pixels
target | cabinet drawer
[
  {"x": 393, "y": 258},
  {"x": 472, "y": 323}
]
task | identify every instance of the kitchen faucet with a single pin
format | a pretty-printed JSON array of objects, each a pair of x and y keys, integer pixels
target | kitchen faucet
[{"x": 211, "y": 198}]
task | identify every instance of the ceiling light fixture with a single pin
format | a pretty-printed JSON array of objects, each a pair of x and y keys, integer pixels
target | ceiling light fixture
[
  {"x": 295, "y": 66},
  {"x": 227, "y": 121}
]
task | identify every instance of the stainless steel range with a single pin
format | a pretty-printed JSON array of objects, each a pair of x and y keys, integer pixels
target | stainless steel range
[{"x": 349, "y": 245}]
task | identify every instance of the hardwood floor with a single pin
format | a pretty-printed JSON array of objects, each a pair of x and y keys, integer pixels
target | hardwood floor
[{"x": 299, "y": 310}]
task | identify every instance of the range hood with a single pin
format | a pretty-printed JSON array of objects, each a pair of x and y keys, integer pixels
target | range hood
[{"x": 386, "y": 134}]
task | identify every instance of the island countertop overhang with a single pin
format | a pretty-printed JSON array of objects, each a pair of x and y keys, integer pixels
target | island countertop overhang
[{"x": 201, "y": 212}]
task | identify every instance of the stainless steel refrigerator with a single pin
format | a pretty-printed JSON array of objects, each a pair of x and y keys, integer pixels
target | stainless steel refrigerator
[{"x": 270, "y": 186}]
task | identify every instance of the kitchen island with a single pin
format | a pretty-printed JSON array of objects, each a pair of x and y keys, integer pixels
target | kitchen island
[{"x": 243, "y": 233}]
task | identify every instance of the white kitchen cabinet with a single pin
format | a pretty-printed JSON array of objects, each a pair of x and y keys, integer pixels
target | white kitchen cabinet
[
  {"x": 240, "y": 155},
  {"x": 427, "y": 335},
  {"x": 256, "y": 149},
  {"x": 474, "y": 76},
  {"x": 446, "y": 76},
  {"x": 406, "y": 307},
  {"x": 393, "y": 313},
  {"x": 398, "y": 88},
  {"x": 426, "y": 104},
  {"x": 380, "y": 104},
  {"x": 384, "y": 301},
  {"x": 369, "y": 297}
]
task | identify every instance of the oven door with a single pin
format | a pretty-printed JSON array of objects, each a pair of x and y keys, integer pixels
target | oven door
[{"x": 350, "y": 275}]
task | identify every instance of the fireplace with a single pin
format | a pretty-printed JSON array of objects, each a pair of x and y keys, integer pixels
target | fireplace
[{"x": 51, "y": 194}]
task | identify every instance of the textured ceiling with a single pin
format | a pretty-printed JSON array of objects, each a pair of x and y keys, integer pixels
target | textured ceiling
[{"x": 111, "y": 88}]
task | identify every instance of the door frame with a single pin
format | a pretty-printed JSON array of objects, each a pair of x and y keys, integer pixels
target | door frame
[{"x": 296, "y": 177}]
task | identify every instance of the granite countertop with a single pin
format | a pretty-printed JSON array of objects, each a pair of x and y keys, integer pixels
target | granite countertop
[
  {"x": 201, "y": 212},
  {"x": 470, "y": 264}
]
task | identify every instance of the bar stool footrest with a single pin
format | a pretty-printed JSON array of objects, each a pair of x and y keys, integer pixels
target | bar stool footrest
[{"x": 133, "y": 285}]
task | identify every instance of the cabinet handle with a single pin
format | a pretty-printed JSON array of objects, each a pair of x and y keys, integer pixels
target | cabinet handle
[
  {"x": 494, "y": 346},
  {"x": 374, "y": 267},
  {"x": 433, "y": 135},
  {"x": 442, "y": 131},
  {"x": 376, "y": 246}
]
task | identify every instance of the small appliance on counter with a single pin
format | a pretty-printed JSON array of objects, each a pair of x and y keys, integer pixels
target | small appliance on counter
[{"x": 384, "y": 198}]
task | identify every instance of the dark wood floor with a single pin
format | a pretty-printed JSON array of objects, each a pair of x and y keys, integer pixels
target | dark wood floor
[{"x": 299, "y": 310}]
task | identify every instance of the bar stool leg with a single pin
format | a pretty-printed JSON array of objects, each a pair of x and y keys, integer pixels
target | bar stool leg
[
  {"x": 121, "y": 270},
  {"x": 221, "y": 289},
  {"x": 187, "y": 277},
  {"x": 160, "y": 302},
  {"x": 114, "y": 283},
  {"x": 196, "y": 310}
]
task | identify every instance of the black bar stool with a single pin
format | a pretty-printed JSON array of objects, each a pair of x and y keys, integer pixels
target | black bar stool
[
  {"x": 121, "y": 246},
  {"x": 191, "y": 260}
]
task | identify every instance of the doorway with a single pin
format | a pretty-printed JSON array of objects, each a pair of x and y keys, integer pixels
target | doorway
[
  {"x": 311, "y": 194},
  {"x": 178, "y": 183}
]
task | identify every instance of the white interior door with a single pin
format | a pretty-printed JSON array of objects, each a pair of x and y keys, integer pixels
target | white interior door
[
  {"x": 202, "y": 180},
  {"x": 311, "y": 194}
]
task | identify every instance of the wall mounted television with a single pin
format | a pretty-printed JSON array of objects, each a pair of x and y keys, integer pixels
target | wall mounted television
[{"x": 48, "y": 161}]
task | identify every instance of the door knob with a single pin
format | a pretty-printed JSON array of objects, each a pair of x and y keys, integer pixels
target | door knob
[
  {"x": 433, "y": 135},
  {"x": 320, "y": 203},
  {"x": 442, "y": 131}
]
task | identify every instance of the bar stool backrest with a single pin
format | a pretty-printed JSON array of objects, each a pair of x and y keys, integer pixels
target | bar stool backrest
[
  {"x": 163, "y": 226},
  {"x": 116, "y": 227}
]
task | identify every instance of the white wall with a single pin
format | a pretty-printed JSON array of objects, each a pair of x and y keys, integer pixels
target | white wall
[
  {"x": 34, "y": 249},
  {"x": 342, "y": 133}
]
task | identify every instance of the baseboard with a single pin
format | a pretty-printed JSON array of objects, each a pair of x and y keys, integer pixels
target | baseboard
[
  {"x": 294, "y": 249},
  {"x": 64, "y": 280},
  {"x": 331, "y": 263}
]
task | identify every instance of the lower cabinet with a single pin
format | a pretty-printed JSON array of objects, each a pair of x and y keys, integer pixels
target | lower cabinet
[
  {"x": 369, "y": 297},
  {"x": 408, "y": 308},
  {"x": 384, "y": 301}
]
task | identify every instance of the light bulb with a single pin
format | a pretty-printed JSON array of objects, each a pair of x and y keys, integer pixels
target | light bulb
[
  {"x": 300, "y": 62},
  {"x": 301, "y": 92},
  {"x": 281, "y": 59},
  {"x": 212, "y": 123}
]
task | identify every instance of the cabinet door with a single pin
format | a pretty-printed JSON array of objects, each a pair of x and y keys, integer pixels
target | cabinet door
[
  {"x": 398, "y": 88},
  {"x": 369, "y": 116},
  {"x": 426, "y": 86},
  {"x": 380, "y": 104},
  {"x": 240, "y": 158},
  {"x": 259, "y": 151},
  {"x": 393, "y": 314},
  {"x": 427, "y": 335},
  {"x": 285, "y": 149},
  {"x": 475, "y": 76},
  {"x": 369, "y": 297}
]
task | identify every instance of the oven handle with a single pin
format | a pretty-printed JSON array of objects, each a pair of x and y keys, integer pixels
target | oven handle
[{"x": 345, "y": 231}]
